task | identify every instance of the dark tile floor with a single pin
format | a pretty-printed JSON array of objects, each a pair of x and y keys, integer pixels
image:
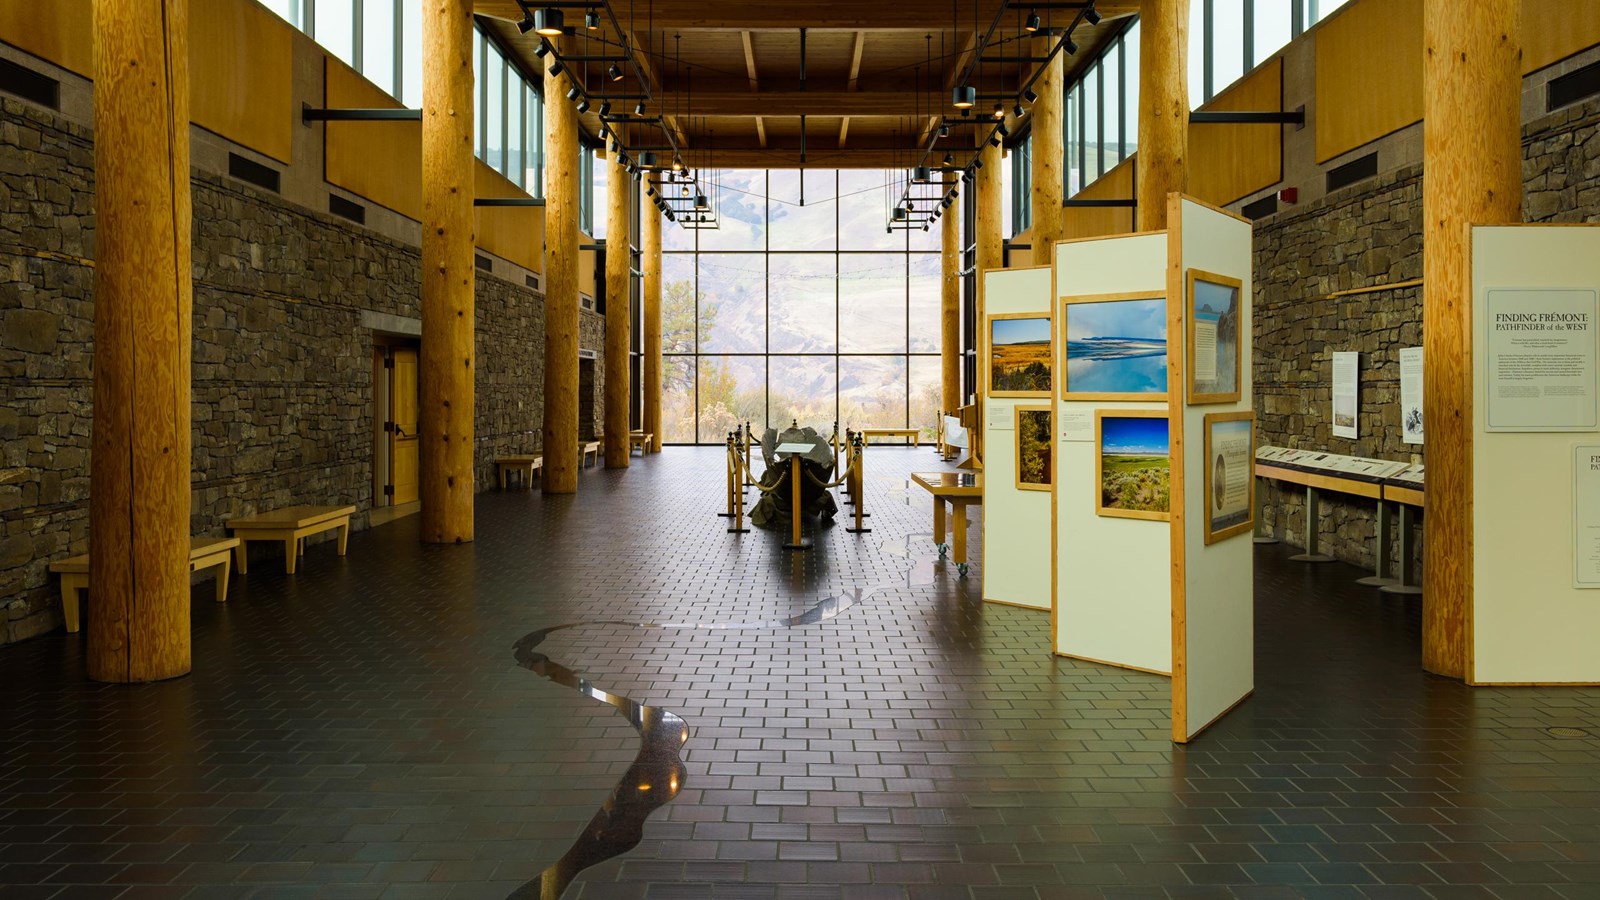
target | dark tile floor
[{"x": 364, "y": 729}]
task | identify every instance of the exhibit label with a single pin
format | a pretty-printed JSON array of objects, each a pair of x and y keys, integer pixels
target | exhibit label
[
  {"x": 1000, "y": 416},
  {"x": 1411, "y": 395},
  {"x": 1541, "y": 369},
  {"x": 1346, "y": 397},
  {"x": 1231, "y": 467},
  {"x": 1076, "y": 424},
  {"x": 1586, "y": 516}
]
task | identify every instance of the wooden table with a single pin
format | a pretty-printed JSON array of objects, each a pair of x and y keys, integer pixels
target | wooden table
[
  {"x": 523, "y": 466},
  {"x": 914, "y": 434},
  {"x": 960, "y": 490},
  {"x": 204, "y": 552},
  {"x": 588, "y": 453},
  {"x": 291, "y": 525},
  {"x": 639, "y": 440}
]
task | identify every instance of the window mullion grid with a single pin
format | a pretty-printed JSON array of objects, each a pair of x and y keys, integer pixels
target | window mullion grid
[
  {"x": 310, "y": 25},
  {"x": 358, "y": 56},
  {"x": 1209, "y": 52},
  {"x": 398, "y": 13},
  {"x": 1122, "y": 98},
  {"x": 1249, "y": 35}
]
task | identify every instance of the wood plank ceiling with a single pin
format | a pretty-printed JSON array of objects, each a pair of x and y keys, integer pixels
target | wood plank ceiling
[{"x": 731, "y": 82}]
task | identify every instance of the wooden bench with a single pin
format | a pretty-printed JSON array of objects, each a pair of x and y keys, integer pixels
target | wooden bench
[
  {"x": 204, "y": 552},
  {"x": 639, "y": 440},
  {"x": 913, "y": 434},
  {"x": 523, "y": 466},
  {"x": 291, "y": 525},
  {"x": 588, "y": 453}
]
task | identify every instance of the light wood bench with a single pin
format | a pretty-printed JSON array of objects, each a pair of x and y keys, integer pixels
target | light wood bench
[
  {"x": 913, "y": 434},
  {"x": 639, "y": 440},
  {"x": 523, "y": 466},
  {"x": 588, "y": 453},
  {"x": 204, "y": 552},
  {"x": 291, "y": 525}
]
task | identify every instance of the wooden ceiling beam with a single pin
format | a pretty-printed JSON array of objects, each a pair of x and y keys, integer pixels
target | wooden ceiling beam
[
  {"x": 787, "y": 15},
  {"x": 855, "y": 78}
]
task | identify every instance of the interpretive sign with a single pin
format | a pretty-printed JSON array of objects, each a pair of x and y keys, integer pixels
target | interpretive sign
[
  {"x": 1541, "y": 372},
  {"x": 1586, "y": 516},
  {"x": 1077, "y": 424},
  {"x": 1229, "y": 475},
  {"x": 1411, "y": 395},
  {"x": 1213, "y": 331},
  {"x": 1346, "y": 396}
]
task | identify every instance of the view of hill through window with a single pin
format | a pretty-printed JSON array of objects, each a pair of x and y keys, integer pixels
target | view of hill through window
[{"x": 806, "y": 311}]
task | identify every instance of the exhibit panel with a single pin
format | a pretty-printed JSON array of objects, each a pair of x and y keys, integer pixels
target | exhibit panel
[
  {"x": 1112, "y": 563},
  {"x": 1213, "y": 612},
  {"x": 1534, "y": 606},
  {"x": 1018, "y": 379}
]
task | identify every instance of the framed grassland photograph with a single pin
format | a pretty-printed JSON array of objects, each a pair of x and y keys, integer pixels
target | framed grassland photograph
[
  {"x": 1034, "y": 461},
  {"x": 1230, "y": 484},
  {"x": 1133, "y": 464},
  {"x": 1115, "y": 347},
  {"x": 1212, "y": 330},
  {"x": 1020, "y": 355}
]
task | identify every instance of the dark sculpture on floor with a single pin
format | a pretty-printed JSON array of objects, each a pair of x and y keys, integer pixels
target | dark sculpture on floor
[{"x": 816, "y": 469}]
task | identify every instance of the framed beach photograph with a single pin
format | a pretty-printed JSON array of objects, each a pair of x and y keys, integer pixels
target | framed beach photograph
[
  {"x": 1212, "y": 328},
  {"x": 1230, "y": 484},
  {"x": 1020, "y": 357},
  {"x": 1034, "y": 462},
  {"x": 1116, "y": 347},
  {"x": 1133, "y": 464}
]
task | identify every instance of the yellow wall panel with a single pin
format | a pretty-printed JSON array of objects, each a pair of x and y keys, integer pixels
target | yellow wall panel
[
  {"x": 381, "y": 161},
  {"x": 1228, "y": 162},
  {"x": 1369, "y": 73},
  {"x": 1553, "y": 30},
  {"x": 1084, "y": 222},
  {"x": 241, "y": 74},
  {"x": 515, "y": 233},
  {"x": 55, "y": 30}
]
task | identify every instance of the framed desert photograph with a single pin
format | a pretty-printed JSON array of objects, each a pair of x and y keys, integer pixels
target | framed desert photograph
[
  {"x": 1116, "y": 347},
  {"x": 1212, "y": 327},
  {"x": 1230, "y": 484},
  {"x": 1133, "y": 464},
  {"x": 1020, "y": 357},
  {"x": 1034, "y": 462}
]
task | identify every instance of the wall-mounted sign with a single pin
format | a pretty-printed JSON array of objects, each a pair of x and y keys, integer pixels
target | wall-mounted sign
[
  {"x": 1541, "y": 373},
  {"x": 1411, "y": 395},
  {"x": 1346, "y": 394},
  {"x": 1586, "y": 516}
]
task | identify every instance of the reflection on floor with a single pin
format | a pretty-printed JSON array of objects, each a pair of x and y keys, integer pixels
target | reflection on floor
[{"x": 363, "y": 729}]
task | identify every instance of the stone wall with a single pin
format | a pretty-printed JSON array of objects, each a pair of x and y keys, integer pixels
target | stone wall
[
  {"x": 1365, "y": 235},
  {"x": 282, "y": 364}
]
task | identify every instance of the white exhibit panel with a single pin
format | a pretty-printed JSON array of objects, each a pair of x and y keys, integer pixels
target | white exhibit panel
[
  {"x": 1535, "y": 604},
  {"x": 1113, "y": 586},
  {"x": 1016, "y": 522},
  {"x": 1214, "y": 595}
]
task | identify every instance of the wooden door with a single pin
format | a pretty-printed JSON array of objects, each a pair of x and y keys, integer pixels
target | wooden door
[{"x": 402, "y": 427}]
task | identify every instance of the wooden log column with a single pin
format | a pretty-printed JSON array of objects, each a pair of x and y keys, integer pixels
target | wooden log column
[
  {"x": 950, "y": 310},
  {"x": 1163, "y": 156},
  {"x": 1472, "y": 158},
  {"x": 139, "y": 469},
  {"x": 1048, "y": 154},
  {"x": 560, "y": 471},
  {"x": 650, "y": 267},
  {"x": 990, "y": 199},
  {"x": 449, "y": 316},
  {"x": 619, "y": 320}
]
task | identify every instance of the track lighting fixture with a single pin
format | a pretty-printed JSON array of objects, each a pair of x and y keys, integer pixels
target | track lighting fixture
[
  {"x": 1032, "y": 24},
  {"x": 583, "y": 106},
  {"x": 994, "y": 140},
  {"x": 949, "y": 159},
  {"x": 677, "y": 166},
  {"x": 543, "y": 48},
  {"x": 1070, "y": 47},
  {"x": 591, "y": 19},
  {"x": 924, "y": 226},
  {"x": 649, "y": 192},
  {"x": 549, "y": 21},
  {"x": 1017, "y": 110},
  {"x": 614, "y": 73},
  {"x": 999, "y": 110},
  {"x": 526, "y": 25},
  {"x": 899, "y": 214},
  {"x": 647, "y": 159},
  {"x": 556, "y": 68},
  {"x": 615, "y": 147},
  {"x": 573, "y": 93},
  {"x": 626, "y": 162},
  {"x": 964, "y": 96},
  {"x": 605, "y": 108},
  {"x": 1028, "y": 96},
  {"x": 638, "y": 108},
  {"x": 944, "y": 131},
  {"x": 977, "y": 163},
  {"x": 1091, "y": 15},
  {"x": 1002, "y": 129},
  {"x": 920, "y": 174},
  {"x": 700, "y": 202}
]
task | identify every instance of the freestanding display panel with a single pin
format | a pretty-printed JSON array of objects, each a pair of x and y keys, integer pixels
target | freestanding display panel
[{"x": 1016, "y": 505}]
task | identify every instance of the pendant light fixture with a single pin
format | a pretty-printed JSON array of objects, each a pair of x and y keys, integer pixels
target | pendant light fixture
[
  {"x": 1032, "y": 25},
  {"x": 964, "y": 96},
  {"x": 549, "y": 21},
  {"x": 591, "y": 20},
  {"x": 614, "y": 73}
]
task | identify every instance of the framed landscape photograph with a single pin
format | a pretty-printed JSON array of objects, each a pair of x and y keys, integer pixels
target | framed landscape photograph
[
  {"x": 1116, "y": 347},
  {"x": 1230, "y": 484},
  {"x": 1020, "y": 358},
  {"x": 1212, "y": 327},
  {"x": 1133, "y": 464},
  {"x": 1035, "y": 465}
]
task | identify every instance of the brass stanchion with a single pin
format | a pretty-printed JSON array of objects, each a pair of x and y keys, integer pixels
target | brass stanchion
[
  {"x": 736, "y": 479},
  {"x": 857, "y": 480},
  {"x": 797, "y": 539},
  {"x": 732, "y": 479}
]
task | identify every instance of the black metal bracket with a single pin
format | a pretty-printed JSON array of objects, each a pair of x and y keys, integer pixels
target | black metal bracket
[
  {"x": 508, "y": 201},
  {"x": 1100, "y": 204},
  {"x": 309, "y": 114},
  {"x": 1298, "y": 117}
]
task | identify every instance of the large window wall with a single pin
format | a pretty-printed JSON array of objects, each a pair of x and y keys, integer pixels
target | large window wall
[{"x": 788, "y": 312}]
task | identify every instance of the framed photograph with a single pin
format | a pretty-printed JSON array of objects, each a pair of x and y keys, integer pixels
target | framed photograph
[
  {"x": 1020, "y": 356},
  {"x": 1034, "y": 462},
  {"x": 1133, "y": 464},
  {"x": 1116, "y": 347},
  {"x": 1212, "y": 327},
  {"x": 1230, "y": 484}
]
